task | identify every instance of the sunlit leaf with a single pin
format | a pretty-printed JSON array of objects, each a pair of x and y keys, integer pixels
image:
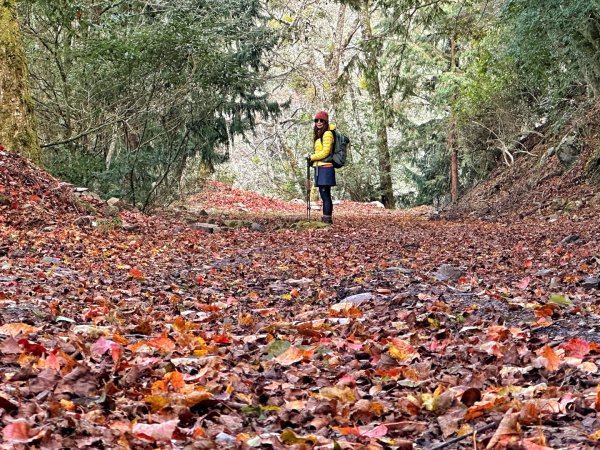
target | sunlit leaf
[
  {"x": 136, "y": 273},
  {"x": 342, "y": 393},
  {"x": 290, "y": 356},
  {"x": 156, "y": 402},
  {"x": 402, "y": 350},
  {"x": 552, "y": 359},
  {"x": 14, "y": 329},
  {"x": 560, "y": 299},
  {"x": 162, "y": 432}
]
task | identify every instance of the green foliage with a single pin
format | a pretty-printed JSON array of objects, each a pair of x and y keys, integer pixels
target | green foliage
[
  {"x": 76, "y": 167},
  {"x": 555, "y": 43},
  {"x": 148, "y": 90}
]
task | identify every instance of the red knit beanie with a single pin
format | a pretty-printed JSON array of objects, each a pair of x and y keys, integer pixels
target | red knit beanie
[{"x": 322, "y": 115}]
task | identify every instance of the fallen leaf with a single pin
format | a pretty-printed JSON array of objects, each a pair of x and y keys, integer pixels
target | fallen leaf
[
  {"x": 577, "y": 348},
  {"x": 523, "y": 283},
  {"x": 552, "y": 360},
  {"x": 136, "y": 273},
  {"x": 290, "y": 356},
  {"x": 162, "y": 432},
  {"x": 402, "y": 351},
  {"x": 560, "y": 299},
  {"x": 289, "y": 437},
  {"x": 508, "y": 430},
  {"x": 343, "y": 393},
  {"x": 14, "y": 329}
]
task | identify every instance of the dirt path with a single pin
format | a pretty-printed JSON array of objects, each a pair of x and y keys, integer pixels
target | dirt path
[{"x": 387, "y": 330}]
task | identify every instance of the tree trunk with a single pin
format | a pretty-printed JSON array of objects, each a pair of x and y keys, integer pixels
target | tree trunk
[
  {"x": 374, "y": 88},
  {"x": 336, "y": 57},
  {"x": 451, "y": 142},
  {"x": 17, "y": 125}
]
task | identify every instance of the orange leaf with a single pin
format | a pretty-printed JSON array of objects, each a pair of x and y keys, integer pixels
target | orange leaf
[
  {"x": 162, "y": 343},
  {"x": 478, "y": 409},
  {"x": 176, "y": 380},
  {"x": 135, "y": 273},
  {"x": 222, "y": 339},
  {"x": 498, "y": 333},
  {"x": 290, "y": 356},
  {"x": 546, "y": 310},
  {"x": 552, "y": 359},
  {"x": 13, "y": 329},
  {"x": 394, "y": 372},
  {"x": 51, "y": 362},
  {"x": 402, "y": 350},
  {"x": 181, "y": 325},
  {"x": 346, "y": 431}
]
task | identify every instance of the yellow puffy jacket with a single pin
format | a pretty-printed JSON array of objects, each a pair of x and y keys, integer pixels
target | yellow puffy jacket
[{"x": 323, "y": 149}]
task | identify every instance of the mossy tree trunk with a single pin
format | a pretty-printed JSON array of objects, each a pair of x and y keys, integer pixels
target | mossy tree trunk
[
  {"x": 17, "y": 125},
  {"x": 372, "y": 56}
]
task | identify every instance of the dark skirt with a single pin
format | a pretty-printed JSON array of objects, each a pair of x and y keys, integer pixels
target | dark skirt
[{"x": 324, "y": 176}]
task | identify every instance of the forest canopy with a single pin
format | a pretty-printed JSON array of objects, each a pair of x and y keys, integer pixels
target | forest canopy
[{"x": 146, "y": 100}]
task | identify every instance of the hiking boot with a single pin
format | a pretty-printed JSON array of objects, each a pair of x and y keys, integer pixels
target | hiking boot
[{"x": 327, "y": 219}]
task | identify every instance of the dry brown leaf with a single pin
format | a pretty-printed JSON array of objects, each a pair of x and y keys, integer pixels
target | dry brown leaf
[{"x": 508, "y": 431}]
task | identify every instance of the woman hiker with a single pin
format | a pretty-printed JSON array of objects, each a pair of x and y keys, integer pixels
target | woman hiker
[{"x": 321, "y": 160}]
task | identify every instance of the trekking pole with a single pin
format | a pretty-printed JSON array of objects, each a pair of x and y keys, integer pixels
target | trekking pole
[{"x": 308, "y": 189}]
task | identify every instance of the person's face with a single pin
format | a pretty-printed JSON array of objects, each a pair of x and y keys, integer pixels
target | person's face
[{"x": 319, "y": 123}]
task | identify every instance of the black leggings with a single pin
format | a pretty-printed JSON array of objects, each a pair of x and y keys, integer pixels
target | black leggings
[{"x": 325, "y": 192}]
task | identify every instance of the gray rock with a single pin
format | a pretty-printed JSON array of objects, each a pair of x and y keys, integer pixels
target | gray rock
[
  {"x": 544, "y": 272},
  {"x": 51, "y": 260},
  {"x": 358, "y": 298},
  {"x": 568, "y": 150},
  {"x": 590, "y": 283},
  {"x": 446, "y": 272},
  {"x": 113, "y": 201},
  {"x": 402, "y": 270},
  {"x": 208, "y": 227},
  {"x": 569, "y": 239},
  {"x": 85, "y": 220}
]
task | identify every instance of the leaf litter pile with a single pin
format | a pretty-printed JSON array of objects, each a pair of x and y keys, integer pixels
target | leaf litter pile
[{"x": 385, "y": 331}]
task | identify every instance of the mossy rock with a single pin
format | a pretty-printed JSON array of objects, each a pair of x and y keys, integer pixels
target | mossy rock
[
  {"x": 309, "y": 225},
  {"x": 235, "y": 223},
  {"x": 592, "y": 167}
]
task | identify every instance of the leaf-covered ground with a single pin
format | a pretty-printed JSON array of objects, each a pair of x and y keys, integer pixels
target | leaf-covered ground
[{"x": 386, "y": 331}]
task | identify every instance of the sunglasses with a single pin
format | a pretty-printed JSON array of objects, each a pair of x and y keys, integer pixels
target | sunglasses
[{"x": 320, "y": 120}]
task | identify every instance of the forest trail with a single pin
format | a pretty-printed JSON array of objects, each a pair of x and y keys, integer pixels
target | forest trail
[{"x": 387, "y": 330}]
